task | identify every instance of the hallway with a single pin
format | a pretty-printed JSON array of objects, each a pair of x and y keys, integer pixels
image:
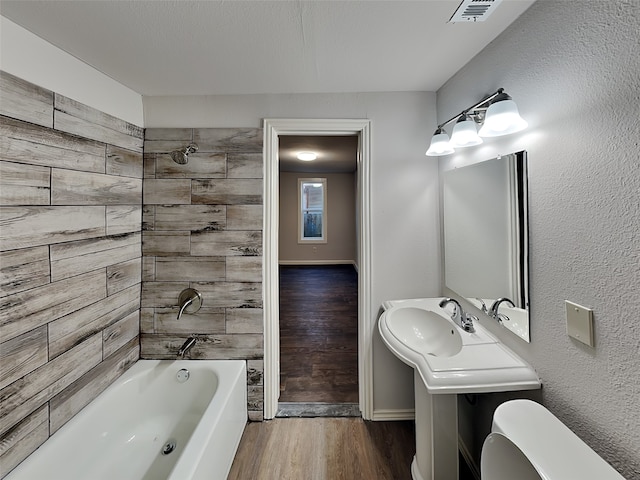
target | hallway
[{"x": 319, "y": 334}]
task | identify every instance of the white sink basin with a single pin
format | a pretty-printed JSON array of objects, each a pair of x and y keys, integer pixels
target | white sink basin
[
  {"x": 424, "y": 331},
  {"x": 448, "y": 359}
]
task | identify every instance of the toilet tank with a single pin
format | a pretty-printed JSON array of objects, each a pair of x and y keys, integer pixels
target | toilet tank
[{"x": 546, "y": 444}]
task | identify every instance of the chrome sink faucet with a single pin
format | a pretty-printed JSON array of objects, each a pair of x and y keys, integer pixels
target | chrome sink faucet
[
  {"x": 186, "y": 346},
  {"x": 493, "y": 311},
  {"x": 459, "y": 317}
]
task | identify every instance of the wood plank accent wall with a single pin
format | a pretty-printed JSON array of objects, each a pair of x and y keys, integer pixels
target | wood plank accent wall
[
  {"x": 202, "y": 228},
  {"x": 70, "y": 260}
]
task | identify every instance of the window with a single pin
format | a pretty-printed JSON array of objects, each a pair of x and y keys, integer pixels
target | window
[{"x": 312, "y": 202}]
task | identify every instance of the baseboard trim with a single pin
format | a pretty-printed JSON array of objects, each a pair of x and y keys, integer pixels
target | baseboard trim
[
  {"x": 318, "y": 262},
  {"x": 388, "y": 415}
]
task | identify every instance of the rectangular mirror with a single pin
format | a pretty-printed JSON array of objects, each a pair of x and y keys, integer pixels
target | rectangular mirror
[{"x": 486, "y": 237}]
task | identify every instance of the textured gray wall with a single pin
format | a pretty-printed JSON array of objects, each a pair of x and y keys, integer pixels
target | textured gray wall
[{"x": 574, "y": 70}]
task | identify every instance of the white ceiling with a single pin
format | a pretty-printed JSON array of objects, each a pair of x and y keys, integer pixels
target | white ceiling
[{"x": 187, "y": 47}]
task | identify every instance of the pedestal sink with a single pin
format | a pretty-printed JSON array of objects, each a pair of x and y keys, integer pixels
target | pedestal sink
[
  {"x": 446, "y": 361},
  {"x": 425, "y": 331}
]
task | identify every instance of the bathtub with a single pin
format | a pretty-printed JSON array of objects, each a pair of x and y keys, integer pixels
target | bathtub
[{"x": 152, "y": 423}]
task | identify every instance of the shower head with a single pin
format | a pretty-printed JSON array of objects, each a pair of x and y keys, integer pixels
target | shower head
[{"x": 181, "y": 156}]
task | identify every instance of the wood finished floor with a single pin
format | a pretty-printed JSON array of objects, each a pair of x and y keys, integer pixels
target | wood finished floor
[
  {"x": 325, "y": 449},
  {"x": 319, "y": 334}
]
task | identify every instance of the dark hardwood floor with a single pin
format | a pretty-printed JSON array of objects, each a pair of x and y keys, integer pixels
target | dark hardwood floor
[{"x": 319, "y": 334}]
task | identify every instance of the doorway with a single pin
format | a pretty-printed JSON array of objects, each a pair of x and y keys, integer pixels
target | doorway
[
  {"x": 273, "y": 129},
  {"x": 318, "y": 309}
]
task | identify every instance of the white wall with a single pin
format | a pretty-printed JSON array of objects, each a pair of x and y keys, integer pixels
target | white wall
[
  {"x": 574, "y": 70},
  {"x": 31, "y": 58},
  {"x": 404, "y": 186}
]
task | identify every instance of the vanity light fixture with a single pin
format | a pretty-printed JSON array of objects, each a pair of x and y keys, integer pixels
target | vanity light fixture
[
  {"x": 307, "y": 156},
  {"x": 465, "y": 133},
  {"x": 498, "y": 115}
]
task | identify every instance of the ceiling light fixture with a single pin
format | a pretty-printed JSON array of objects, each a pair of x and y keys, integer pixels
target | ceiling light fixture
[
  {"x": 498, "y": 115},
  {"x": 307, "y": 156}
]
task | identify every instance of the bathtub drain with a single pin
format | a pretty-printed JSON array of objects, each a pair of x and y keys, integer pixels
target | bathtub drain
[{"x": 169, "y": 447}]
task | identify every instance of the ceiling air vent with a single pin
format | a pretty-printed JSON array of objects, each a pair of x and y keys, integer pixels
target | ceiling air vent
[{"x": 474, "y": 10}]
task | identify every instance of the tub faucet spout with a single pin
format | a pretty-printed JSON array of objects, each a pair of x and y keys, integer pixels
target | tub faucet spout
[{"x": 186, "y": 346}]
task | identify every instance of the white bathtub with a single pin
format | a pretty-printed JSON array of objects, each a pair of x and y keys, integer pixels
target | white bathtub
[{"x": 123, "y": 432}]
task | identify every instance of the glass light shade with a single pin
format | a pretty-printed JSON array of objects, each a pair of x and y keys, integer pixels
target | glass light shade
[
  {"x": 439, "y": 145},
  {"x": 307, "y": 156},
  {"x": 502, "y": 118},
  {"x": 465, "y": 134}
]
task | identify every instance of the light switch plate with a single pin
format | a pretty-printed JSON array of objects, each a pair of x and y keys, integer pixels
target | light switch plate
[{"x": 579, "y": 322}]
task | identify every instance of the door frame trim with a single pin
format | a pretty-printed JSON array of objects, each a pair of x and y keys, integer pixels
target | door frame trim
[{"x": 273, "y": 128}]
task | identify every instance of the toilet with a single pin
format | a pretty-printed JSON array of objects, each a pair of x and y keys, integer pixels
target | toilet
[{"x": 527, "y": 442}]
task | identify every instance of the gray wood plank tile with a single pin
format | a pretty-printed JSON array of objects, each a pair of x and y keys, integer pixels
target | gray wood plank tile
[
  {"x": 226, "y": 243},
  {"x": 243, "y": 140},
  {"x": 97, "y": 117},
  {"x": 210, "y": 347},
  {"x": 162, "y": 294},
  {"x": 255, "y": 397},
  {"x": 25, "y": 101},
  {"x": 23, "y": 354},
  {"x": 190, "y": 217},
  {"x": 167, "y": 192},
  {"x": 69, "y": 187},
  {"x": 166, "y": 244},
  {"x": 207, "y": 320},
  {"x": 35, "y": 145},
  {"x": 244, "y": 320},
  {"x": 241, "y": 191},
  {"x": 21, "y": 440},
  {"x": 22, "y": 184},
  {"x": 124, "y": 162},
  {"x": 77, "y": 126},
  {"x": 24, "y": 311},
  {"x": 146, "y": 320},
  {"x": 255, "y": 372},
  {"x": 123, "y": 219},
  {"x": 23, "y": 269},
  {"x": 149, "y": 165},
  {"x": 30, "y": 392},
  {"x": 32, "y": 226},
  {"x": 201, "y": 165},
  {"x": 73, "y": 258},
  {"x": 123, "y": 275},
  {"x": 166, "y": 145},
  {"x": 231, "y": 294},
  {"x": 120, "y": 333},
  {"x": 190, "y": 269},
  {"x": 148, "y": 269},
  {"x": 244, "y": 165},
  {"x": 244, "y": 269},
  {"x": 244, "y": 217},
  {"x": 71, "y": 329},
  {"x": 149, "y": 217},
  {"x": 72, "y": 399}
]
